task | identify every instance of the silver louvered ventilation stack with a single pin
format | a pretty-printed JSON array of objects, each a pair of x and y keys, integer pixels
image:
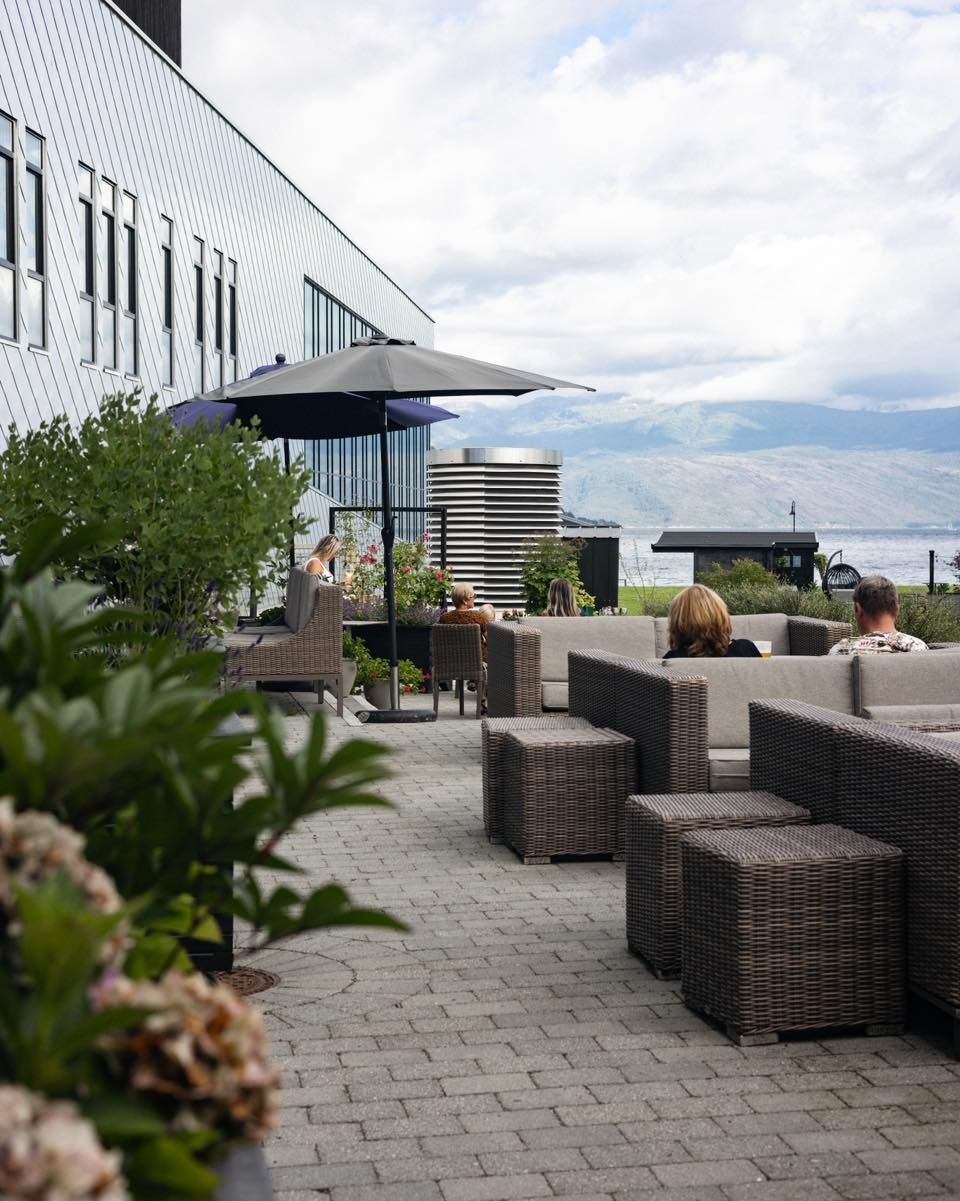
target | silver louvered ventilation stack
[{"x": 496, "y": 499}]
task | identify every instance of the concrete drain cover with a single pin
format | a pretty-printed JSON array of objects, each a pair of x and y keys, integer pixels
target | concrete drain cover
[{"x": 248, "y": 980}]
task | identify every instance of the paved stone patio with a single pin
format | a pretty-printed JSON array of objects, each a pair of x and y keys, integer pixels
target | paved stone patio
[{"x": 509, "y": 1046}]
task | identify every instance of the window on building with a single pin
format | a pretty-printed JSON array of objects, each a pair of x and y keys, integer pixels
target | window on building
[
  {"x": 8, "y": 231},
  {"x": 218, "y": 322},
  {"x": 131, "y": 350},
  {"x": 108, "y": 299},
  {"x": 166, "y": 330},
  {"x": 34, "y": 225},
  {"x": 88, "y": 270},
  {"x": 232, "y": 315},
  {"x": 199, "y": 368}
]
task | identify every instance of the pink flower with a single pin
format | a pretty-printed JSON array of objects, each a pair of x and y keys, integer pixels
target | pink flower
[
  {"x": 439, "y": 575},
  {"x": 426, "y": 537},
  {"x": 406, "y": 571}
]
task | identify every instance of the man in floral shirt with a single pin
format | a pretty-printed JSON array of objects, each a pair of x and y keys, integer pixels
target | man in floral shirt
[{"x": 876, "y": 605}]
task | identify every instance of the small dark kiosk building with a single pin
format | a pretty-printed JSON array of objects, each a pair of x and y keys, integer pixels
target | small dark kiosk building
[{"x": 789, "y": 554}]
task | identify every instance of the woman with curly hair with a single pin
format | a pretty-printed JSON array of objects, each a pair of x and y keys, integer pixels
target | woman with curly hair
[{"x": 699, "y": 627}]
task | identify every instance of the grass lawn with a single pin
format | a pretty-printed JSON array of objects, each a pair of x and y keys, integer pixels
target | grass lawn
[{"x": 635, "y": 599}]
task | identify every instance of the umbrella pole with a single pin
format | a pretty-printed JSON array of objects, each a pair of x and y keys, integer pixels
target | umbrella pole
[
  {"x": 286, "y": 463},
  {"x": 387, "y": 533}
]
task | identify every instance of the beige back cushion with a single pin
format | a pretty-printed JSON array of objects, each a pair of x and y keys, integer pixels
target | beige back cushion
[
  {"x": 301, "y": 593},
  {"x": 907, "y": 678},
  {"x": 770, "y": 626},
  {"x": 632, "y": 636},
  {"x": 734, "y": 683}
]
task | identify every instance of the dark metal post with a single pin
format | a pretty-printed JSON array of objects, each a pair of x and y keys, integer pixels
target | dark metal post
[
  {"x": 286, "y": 464},
  {"x": 931, "y": 586},
  {"x": 387, "y": 534}
]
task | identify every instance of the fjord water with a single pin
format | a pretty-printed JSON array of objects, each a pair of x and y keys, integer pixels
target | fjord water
[{"x": 902, "y": 555}]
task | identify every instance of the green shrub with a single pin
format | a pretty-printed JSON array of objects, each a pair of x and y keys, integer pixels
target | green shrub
[
  {"x": 929, "y": 617},
  {"x": 550, "y": 558},
  {"x": 199, "y": 514},
  {"x": 742, "y": 573}
]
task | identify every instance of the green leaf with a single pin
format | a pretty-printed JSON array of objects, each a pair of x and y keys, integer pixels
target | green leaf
[{"x": 165, "y": 1163}]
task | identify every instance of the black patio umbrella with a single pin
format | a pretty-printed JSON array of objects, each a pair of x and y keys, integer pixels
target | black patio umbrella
[{"x": 353, "y": 392}]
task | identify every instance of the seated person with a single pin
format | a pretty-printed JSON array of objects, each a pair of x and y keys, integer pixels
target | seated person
[
  {"x": 319, "y": 560},
  {"x": 876, "y": 607},
  {"x": 699, "y": 628},
  {"x": 561, "y": 600},
  {"x": 463, "y": 613}
]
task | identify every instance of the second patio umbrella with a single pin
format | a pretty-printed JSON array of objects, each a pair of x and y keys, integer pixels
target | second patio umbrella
[{"x": 355, "y": 390}]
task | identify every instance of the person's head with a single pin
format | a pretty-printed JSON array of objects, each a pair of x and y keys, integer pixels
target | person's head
[
  {"x": 327, "y": 548},
  {"x": 463, "y": 596},
  {"x": 876, "y": 604},
  {"x": 487, "y": 611},
  {"x": 561, "y": 599},
  {"x": 699, "y": 622}
]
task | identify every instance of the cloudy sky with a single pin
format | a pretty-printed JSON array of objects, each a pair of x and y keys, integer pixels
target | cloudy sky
[{"x": 671, "y": 200}]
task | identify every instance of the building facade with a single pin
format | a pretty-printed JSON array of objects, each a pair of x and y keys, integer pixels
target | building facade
[
  {"x": 145, "y": 242},
  {"x": 496, "y": 499}
]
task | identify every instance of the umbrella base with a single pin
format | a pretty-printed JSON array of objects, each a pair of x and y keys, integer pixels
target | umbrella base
[{"x": 378, "y": 716}]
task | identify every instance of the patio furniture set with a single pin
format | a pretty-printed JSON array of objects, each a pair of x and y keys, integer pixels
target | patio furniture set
[{"x": 805, "y": 887}]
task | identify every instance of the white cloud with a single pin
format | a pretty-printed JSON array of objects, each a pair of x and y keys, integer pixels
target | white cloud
[{"x": 673, "y": 201}]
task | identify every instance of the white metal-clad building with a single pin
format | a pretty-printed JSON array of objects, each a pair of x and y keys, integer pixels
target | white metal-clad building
[
  {"x": 496, "y": 499},
  {"x": 146, "y": 242}
]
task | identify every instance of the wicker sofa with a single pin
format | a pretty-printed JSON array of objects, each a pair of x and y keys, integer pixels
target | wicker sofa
[
  {"x": 307, "y": 646},
  {"x": 528, "y": 659},
  {"x": 892, "y": 783},
  {"x": 689, "y": 718}
]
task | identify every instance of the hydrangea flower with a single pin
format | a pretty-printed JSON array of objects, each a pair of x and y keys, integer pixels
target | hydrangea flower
[
  {"x": 48, "y": 1152},
  {"x": 35, "y": 846},
  {"x": 202, "y": 1046}
]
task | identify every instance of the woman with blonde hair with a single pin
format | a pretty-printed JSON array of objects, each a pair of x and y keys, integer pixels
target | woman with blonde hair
[
  {"x": 464, "y": 612},
  {"x": 699, "y": 627},
  {"x": 561, "y": 599},
  {"x": 319, "y": 560}
]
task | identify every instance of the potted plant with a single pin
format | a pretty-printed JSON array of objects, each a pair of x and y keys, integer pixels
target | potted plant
[{"x": 105, "y": 1027}]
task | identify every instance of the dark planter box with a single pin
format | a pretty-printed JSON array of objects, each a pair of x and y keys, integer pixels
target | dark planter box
[{"x": 413, "y": 642}]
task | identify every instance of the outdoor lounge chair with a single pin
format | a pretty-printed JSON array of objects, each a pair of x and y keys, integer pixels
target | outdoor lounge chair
[
  {"x": 456, "y": 656},
  {"x": 307, "y": 646}
]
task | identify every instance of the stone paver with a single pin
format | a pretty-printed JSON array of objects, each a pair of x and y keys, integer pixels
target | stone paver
[{"x": 509, "y": 1046}]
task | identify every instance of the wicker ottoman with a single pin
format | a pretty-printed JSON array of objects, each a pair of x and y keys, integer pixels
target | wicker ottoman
[
  {"x": 493, "y": 732},
  {"x": 797, "y": 928},
  {"x": 564, "y": 792},
  {"x": 654, "y": 828}
]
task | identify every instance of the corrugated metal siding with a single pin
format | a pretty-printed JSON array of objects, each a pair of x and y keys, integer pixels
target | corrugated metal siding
[{"x": 78, "y": 74}]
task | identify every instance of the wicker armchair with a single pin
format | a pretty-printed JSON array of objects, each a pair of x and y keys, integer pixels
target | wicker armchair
[
  {"x": 307, "y": 646},
  {"x": 455, "y": 657},
  {"x": 892, "y": 784}
]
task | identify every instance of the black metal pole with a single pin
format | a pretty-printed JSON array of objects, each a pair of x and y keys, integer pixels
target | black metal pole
[
  {"x": 931, "y": 587},
  {"x": 286, "y": 463},
  {"x": 387, "y": 534}
]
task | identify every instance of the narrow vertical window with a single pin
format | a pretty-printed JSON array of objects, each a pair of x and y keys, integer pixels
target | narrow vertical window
[
  {"x": 199, "y": 370},
  {"x": 232, "y": 314},
  {"x": 34, "y": 220},
  {"x": 88, "y": 270},
  {"x": 131, "y": 350},
  {"x": 108, "y": 301},
  {"x": 166, "y": 331},
  {"x": 218, "y": 346},
  {"x": 8, "y": 232}
]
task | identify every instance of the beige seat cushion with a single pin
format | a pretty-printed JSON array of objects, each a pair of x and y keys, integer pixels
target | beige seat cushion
[
  {"x": 729, "y": 768},
  {"x": 631, "y": 636},
  {"x": 554, "y": 695},
  {"x": 914, "y": 715}
]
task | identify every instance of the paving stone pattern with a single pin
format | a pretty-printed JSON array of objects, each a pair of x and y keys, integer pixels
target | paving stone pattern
[{"x": 509, "y": 1046}]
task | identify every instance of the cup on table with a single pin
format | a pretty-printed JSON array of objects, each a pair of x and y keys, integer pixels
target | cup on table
[{"x": 764, "y": 647}]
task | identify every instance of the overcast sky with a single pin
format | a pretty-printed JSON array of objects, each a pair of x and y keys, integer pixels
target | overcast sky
[{"x": 667, "y": 199}]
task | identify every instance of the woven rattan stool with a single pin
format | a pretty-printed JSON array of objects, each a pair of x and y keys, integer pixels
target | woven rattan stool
[
  {"x": 654, "y": 828},
  {"x": 564, "y": 792},
  {"x": 493, "y": 732},
  {"x": 797, "y": 928}
]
